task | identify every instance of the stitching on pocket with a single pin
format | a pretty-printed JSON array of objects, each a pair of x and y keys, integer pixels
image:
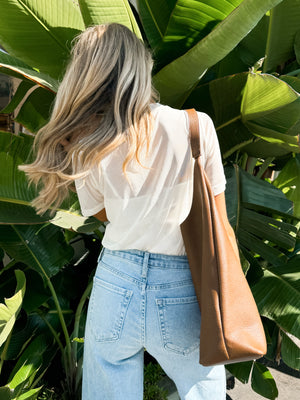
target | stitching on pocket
[
  {"x": 107, "y": 321},
  {"x": 180, "y": 331}
]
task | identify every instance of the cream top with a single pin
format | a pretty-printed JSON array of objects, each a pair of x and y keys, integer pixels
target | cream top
[{"x": 147, "y": 215}]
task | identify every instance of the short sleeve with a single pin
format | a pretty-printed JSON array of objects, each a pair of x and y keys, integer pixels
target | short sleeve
[
  {"x": 88, "y": 189},
  {"x": 213, "y": 160}
]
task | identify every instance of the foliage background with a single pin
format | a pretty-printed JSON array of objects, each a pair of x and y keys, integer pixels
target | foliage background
[{"x": 239, "y": 61}]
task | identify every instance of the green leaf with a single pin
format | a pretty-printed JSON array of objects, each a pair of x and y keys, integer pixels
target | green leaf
[
  {"x": 16, "y": 195},
  {"x": 251, "y": 204},
  {"x": 12, "y": 66},
  {"x": 277, "y": 295},
  {"x": 104, "y": 11},
  {"x": 293, "y": 81},
  {"x": 232, "y": 134},
  {"x": 5, "y": 393},
  {"x": 12, "y": 307},
  {"x": 27, "y": 366},
  {"x": 258, "y": 107},
  {"x": 36, "y": 293},
  {"x": 75, "y": 222},
  {"x": 290, "y": 350},
  {"x": 272, "y": 41},
  {"x": 21, "y": 91},
  {"x": 30, "y": 394},
  {"x": 268, "y": 228},
  {"x": 175, "y": 26},
  {"x": 253, "y": 47},
  {"x": 270, "y": 110},
  {"x": 283, "y": 25},
  {"x": 42, "y": 249},
  {"x": 215, "y": 46},
  {"x": 276, "y": 94},
  {"x": 35, "y": 111},
  {"x": 255, "y": 194},
  {"x": 262, "y": 381},
  {"x": 38, "y": 34},
  {"x": 241, "y": 370},
  {"x": 288, "y": 181}
]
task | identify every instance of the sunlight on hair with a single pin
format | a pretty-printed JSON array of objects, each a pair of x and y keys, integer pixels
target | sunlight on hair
[{"x": 103, "y": 100}]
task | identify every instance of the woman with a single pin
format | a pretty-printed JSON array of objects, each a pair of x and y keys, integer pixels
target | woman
[{"x": 131, "y": 162}]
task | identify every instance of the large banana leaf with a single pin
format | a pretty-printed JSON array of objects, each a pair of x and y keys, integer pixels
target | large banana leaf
[
  {"x": 176, "y": 80},
  {"x": 173, "y": 27},
  {"x": 16, "y": 195},
  {"x": 283, "y": 25},
  {"x": 262, "y": 381},
  {"x": 274, "y": 40},
  {"x": 40, "y": 32},
  {"x": 259, "y": 108},
  {"x": 260, "y": 213},
  {"x": 103, "y": 11},
  {"x": 248, "y": 53},
  {"x": 41, "y": 248},
  {"x": 271, "y": 110},
  {"x": 277, "y": 295},
  {"x": 14, "y": 67},
  {"x": 209, "y": 98}
]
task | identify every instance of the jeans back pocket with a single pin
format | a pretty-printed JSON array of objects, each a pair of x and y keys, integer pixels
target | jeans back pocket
[
  {"x": 107, "y": 310},
  {"x": 179, "y": 323}
]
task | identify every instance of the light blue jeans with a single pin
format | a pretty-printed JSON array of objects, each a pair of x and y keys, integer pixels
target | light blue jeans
[{"x": 142, "y": 300}]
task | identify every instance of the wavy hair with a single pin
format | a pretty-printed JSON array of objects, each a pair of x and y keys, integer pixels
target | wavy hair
[{"x": 103, "y": 100}]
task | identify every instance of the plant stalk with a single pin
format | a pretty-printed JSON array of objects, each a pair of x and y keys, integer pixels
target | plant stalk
[
  {"x": 78, "y": 314},
  {"x": 62, "y": 321},
  {"x": 228, "y": 122}
]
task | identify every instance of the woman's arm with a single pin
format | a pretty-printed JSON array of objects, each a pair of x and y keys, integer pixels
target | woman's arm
[
  {"x": 101, "y": 215},
  {"x": 221, "y": 206}
]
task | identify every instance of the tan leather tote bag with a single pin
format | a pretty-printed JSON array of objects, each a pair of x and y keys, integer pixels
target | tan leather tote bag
[{"x": 231, "y": 327}]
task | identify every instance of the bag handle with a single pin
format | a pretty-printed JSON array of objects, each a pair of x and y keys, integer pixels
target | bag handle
[{"x": 194, "y": 132}]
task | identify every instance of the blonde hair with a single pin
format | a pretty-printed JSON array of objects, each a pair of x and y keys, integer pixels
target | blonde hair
[{"x": 103, "y": 100}]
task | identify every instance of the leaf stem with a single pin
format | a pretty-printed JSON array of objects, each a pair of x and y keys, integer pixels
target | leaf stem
[
  {"x": 293, "y": 73},
  {"x": 264, "y": 166},
  {"x": 62, "y": 321},
  {"x": 267, "y": 52},
  {"x": 78, "y": 314},
  {"x": 53, "y": 331},
  {"x": 228, "y": 122},
  {"x": 56, "y": 302}
]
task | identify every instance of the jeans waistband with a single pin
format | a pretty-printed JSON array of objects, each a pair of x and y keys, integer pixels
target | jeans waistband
[{"x": 142, "y": 256}]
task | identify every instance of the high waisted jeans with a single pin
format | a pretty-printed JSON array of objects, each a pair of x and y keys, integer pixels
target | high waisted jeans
[{"x": 143, "y": 300}]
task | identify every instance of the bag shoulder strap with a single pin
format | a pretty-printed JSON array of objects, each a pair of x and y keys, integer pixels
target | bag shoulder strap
[{"x": 194, "y": 132}]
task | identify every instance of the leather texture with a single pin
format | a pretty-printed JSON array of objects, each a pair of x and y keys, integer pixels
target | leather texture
[{"x": 231, "y": 327}]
